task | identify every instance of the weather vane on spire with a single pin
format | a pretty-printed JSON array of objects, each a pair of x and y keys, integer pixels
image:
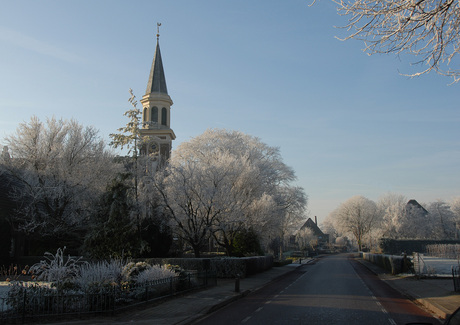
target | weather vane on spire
[{"x": 158, "y": 30}]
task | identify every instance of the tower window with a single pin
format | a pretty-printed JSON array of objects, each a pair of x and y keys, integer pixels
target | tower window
[
  {"x": 144, "y": 115},
  {"x": 164, "y": 116},
  {"x": 154, "y": 114}
]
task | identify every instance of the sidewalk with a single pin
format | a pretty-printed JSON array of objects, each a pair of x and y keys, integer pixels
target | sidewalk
[{"x": 436, "y": 295}]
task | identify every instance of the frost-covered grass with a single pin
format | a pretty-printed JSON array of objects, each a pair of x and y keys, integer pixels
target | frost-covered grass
[
  {"x": 99, "y": 273},
  {"x": 3, "y": 288},
  {"x": 436, "y": 266},
  {"x": 154, "y": 273}
]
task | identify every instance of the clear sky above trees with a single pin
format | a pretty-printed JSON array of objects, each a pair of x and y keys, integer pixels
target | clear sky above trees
[{"x": 347, "y": 123}]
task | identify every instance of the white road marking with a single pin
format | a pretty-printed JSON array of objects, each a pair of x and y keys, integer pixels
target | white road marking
[{"x": 246, "y": 319}]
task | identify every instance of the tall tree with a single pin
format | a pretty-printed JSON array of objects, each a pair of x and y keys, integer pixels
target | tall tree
[
  {"x": 428, "y": 29},
  {"x": 395, "y": 222},
  {"x": 358, "y": 216},
  {"x": 130, "y": 137},
  {"x": 61, "y": 168},
  {"x": 442, "y": 220},
  {"x": 113, "y": 233},
  {"x": 223, "y": 182}
]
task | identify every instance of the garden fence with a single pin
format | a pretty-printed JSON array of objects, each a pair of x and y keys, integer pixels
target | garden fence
[
  {"x": 31, "y": 305},
  {"x": 456, "y": 278}
]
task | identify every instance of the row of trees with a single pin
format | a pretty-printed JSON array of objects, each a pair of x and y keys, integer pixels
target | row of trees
[
  {"x": 222, "y": 186},
  {"x": 393, "y": 216}
]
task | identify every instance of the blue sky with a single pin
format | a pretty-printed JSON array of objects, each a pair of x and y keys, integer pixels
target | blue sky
[{"x": 349, "y": 124}]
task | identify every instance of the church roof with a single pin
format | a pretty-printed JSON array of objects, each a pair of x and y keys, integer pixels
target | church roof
[{"x": 157, "y": 80}]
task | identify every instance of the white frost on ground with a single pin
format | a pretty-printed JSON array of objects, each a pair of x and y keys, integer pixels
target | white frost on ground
[
  {"x": 436, "y": 265},
  {"x": 3, "y": 293},
  {"x": 4, "y": 288}
]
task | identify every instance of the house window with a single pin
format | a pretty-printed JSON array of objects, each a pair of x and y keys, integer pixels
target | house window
[
  {"x": 154, "y": 114},
  {"x": 164, "y": 116}
]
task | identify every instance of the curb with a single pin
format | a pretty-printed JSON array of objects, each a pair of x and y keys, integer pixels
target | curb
[{"x": 433, "y": 307}]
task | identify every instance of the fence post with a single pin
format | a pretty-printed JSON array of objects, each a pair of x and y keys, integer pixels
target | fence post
[
  {"x": 171, "y": 285},
  {"x": 237, "y": 283}
]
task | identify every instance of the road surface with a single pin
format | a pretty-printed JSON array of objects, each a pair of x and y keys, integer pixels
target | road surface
[{"x": 334, "y": 290}]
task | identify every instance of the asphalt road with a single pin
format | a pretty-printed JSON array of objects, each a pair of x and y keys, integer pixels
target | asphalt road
[{"x": 334, "y": 290}]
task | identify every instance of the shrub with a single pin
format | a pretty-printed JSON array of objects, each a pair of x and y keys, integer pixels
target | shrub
[
  {"x": 57, "y": 268},
  {"x": 132, "y": 270},
  {"x": 155, "y": 272},
  {"x": 100, "y": 274},
  {"x": 391, "y": 263}
]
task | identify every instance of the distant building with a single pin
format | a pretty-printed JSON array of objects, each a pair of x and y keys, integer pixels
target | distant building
[
  {"x": 313, "y": 226},
  {"x": 413, "y": 205},
  {"x": 156, "y": 113}
]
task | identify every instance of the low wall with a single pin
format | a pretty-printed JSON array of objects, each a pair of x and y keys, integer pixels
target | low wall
[
  {"x": 392, "y": 263},
  {"x": 225, "y": 267}
]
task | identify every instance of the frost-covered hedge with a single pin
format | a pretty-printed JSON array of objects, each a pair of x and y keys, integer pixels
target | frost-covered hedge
[
  {"x": 391, "y": 263},
  {"x": 225, "y": 267},
  {"x": 410, "y": 246}
]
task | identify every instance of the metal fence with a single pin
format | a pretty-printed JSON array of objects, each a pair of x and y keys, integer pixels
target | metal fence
[
  {"x": 32, "y": 304},
  {"x": 456, "y": 278}
]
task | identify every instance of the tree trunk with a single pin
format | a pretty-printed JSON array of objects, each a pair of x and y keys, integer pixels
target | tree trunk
[{"x": 196, "y": 251}]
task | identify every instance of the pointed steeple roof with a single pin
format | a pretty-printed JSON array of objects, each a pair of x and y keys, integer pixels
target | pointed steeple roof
[{"x": 157, "y": 80}]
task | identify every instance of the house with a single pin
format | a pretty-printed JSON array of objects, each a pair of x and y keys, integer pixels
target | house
[{"x": 313, "y": 226}]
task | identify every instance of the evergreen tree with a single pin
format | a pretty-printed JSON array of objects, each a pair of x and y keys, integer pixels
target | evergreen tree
[{"x": 113, "y": 232}]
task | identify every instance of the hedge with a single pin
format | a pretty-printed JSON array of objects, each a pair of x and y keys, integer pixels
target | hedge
[
  {"x": 410, "y": 246},
  {"x": 391, "y": 263}
]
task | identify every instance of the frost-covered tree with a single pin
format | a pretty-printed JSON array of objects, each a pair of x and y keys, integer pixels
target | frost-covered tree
[
  {"x": 442, "y": 220},
  {"x": 357, "y": 216},
  {"x": 223, "y": 182},
  {"x": 455, "y": 207},
  {"x": 292, "y": 202},
  {"x": 394, "y": 223},
  {"x": 60, "y": 168},
  {"x": 427, "y": 29},
  {"x": 306, "y": 239},
  {"x": 130, "y": 138}
]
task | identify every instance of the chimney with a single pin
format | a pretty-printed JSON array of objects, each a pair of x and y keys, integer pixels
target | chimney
[{"x": 316, "y": 221}]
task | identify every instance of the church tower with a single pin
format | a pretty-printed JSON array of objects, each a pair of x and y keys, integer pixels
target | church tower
[{"x": 156, "y": 117}]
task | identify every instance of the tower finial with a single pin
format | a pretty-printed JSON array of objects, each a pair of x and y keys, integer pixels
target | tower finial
[{"x": 158, "y": 30}]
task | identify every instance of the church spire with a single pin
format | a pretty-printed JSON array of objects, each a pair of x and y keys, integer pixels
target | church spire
[
  {"x": 156, "y": 113},
  {"x": 157, "y": 79}
]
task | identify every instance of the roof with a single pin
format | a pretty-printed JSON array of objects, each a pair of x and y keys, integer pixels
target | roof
[
  {"x": 415, "y": 204},
  {"x": 157, "y": 79},
  {"x": 313, "y": 226}
]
